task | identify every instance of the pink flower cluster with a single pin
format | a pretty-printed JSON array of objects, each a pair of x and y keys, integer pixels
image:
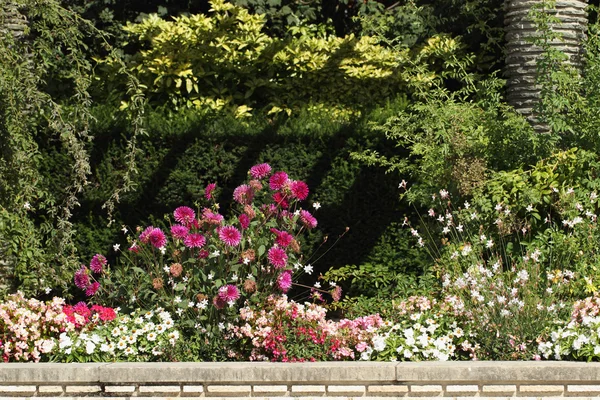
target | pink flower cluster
[
  {"x": 282, "y": 330},
  {"x": 83, "y": 277},
  {"x": 28, "y": 327}
]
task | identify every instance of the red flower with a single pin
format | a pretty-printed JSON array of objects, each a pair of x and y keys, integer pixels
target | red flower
[
  {"x": 277, "y": 257},
  {"x": 299, "y": 190},
  {"x": 278, "y": 180}
]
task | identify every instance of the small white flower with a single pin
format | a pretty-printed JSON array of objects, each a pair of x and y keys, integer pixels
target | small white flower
[
  {"x": 378, "y": 343},
  {"x": 402, "y": 185},
  {"x": 444, "y": 194},
  {"x": 215, "y": 253},
  {"x": 316, "y": 205},
  {"x": 221, "y": 326},
  {"x": 473, "y": 215},
  {"x": 47, "y": 290},
  {"x": 163, "y": 250},
  {"x": 90, "y": 347},
  {"x": 124, "y": 229},
  {"x": 27, "y": 206},
  {"x": 296, "y": 213},
  {"x": 431, "y": 212},
  {"x": 308, "y": 269},
  {"x": 246, "y": 261},
  {"x": 179, "y": 311},
  {"x": 332, "y": 284},
  {"x": 202, "y": 304},
  {"x": 133, "y": 298},
  {"x": 459, "y": 228},
  {"x": 570, "y": 191},
  {"x": 467, "y": 205},
  {"x": 498, "y": 207},
  {"x": 234, "y": 277},
  {"x": 446, "y": 230},
  {"x": 211, "y": 276},
  {"x": 249, "y": 276},
  {"x": 317, "y": 285},
  {"x": 489, "y": 244},
  {"x": 116, "y": 247},
  {"x": 151, "y": 336}
]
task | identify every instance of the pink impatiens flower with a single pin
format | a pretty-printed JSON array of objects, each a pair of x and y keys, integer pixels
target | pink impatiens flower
[
  {"x": 194, "y": 240},
  {"x": 184, "y": 215},
  {"x": 278, "y": 180},
  {"x": 299, "y": 190},
  {"x": 230, "y": 235},
  {"x": 277, "y": 257},
  {"x": 260, "y": 171}
]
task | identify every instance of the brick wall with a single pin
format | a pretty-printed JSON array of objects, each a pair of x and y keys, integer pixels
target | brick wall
[{"x": 338, "y": 380}]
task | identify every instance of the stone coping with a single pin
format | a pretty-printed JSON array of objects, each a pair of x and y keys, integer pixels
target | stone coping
[{"x": 237, "y": 373}]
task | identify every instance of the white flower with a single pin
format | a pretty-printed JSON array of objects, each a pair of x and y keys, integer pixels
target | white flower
[
  {"x": 27, "y": 206},
  {"x": 166, "y": 269},
  {"x": 234, "y": 277},
  {"x": 431, "y": 212},
  {"x": 444, "y": 194},
  {"x": 202, "y": 304},
  {"x": 317, "y": 285},
  {"x": 332, "y": 284},
  {"x": 402, "y": 184},
  {"x": 47, "y": 290},
  {"x": 489, "y": 244},
  {"x": 529, "y": 208},
  {"x": 90, "y": 347},
  {"x": 221, "y": 326},
  {"x": 441, "y": 218},
  {"x": 466, "y": 250},
  {"x": 459, "y": 228},
  {"x": 121, "y": 344},
  {"x": 177, "y": 299},
  {"x": 316, "y": 205},
  {"x": 473, "y": 215},
  {"x": 210, "y": 276},
  {"x": 246, "y": 261},
  {"x": 467, "y": 205},
  {"x": 407, "y": 353},
  {"x": 179, "y": 311},
  {"x": 124, "y": 229},
  {"x": 129, "y": 351},
  {"x": 570, "y": 191},
  {"x": 498, "y": 207},
  {"x": 296, "y": 213},
  {"x": 116, "y": 247},
  {"x": 378, "y": 343},
  {"x": 151, "y": 336},
  {"x": 523, "y": 276},
  {"x": 163, "y": 250},
  {"x": 446, "y": 230},
  {"x": 308, "y": 269},
  {"x": 215, "y": 253}
]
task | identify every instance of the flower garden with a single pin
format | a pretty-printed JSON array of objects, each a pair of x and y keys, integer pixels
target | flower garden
[{"x": 231, "y": 196}]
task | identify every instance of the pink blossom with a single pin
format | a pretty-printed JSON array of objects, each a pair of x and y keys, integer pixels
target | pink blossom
[
  {"x": 194, "y": 240},
  {"x": 208, "y": 190},
  {"x": 211, "y": 217},
  {"x": 278, "y": 180},
  {"x": 82, "y": 279},
  {"x": 260, "y": 171},
  {"x": 230, "y": 235},
  {"x": 145, "y": 235},
  {"x": 229, "y": 293},
  {"x": 184, "y": 215},
  {"x": 97, "y": 264},
  {"x": 307, "y": 219},
  {"x": 179, "y": 231},
  {"x": 280, "y": 199},
  {"x": 277, "y": 257},
  {"x": 299, "y": 190},
  {"x": 92, "y": 289},
  {"x": 284, "y": 280},
  {"x": 283, "y": 238},
  {"x": 157, "y": 238},
  {"x": 244, "y": 221},
  {"x": 243, "y": 194}
]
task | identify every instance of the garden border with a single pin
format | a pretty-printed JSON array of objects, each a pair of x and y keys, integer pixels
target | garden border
[{"x": 450, "y": 379}]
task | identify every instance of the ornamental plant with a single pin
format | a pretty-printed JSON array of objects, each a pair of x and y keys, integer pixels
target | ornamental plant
[
  {"x": 522, "y": 272},
  {"x": 203, "y": 266},
  {"x": 283, "y": 330},
  {"x": 424, "y": 329},
  {"x": 29, "y": 328},
  {"x": 137, "y": 336}
]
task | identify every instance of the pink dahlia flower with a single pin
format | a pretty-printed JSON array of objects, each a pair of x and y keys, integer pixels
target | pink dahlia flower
[
  {"x": 244, "y": 221},
  {"x": 229, "y": 293},
  {"x": 278, "y": 180},
  {"x": 280, "y": 199},
  {"x": 243, "y": 194},
  {"x": 82, "y": 279},
  {"x": 230, "y": 235},
  {"x": 307, "y": 219},
  {"x": 145, "y": 235},
  {"x": 218, "y": 302},
  {"x": 194, "y": 240},
  {"x": 157, "y": 238},
  {"x": 284, "y": 280},
  {"x": 260, "y": 171},
  {"x": 277, "y": 257},
  {"x": 92, "y": 289},
  {"x": 299, "y": 190},
  {"x": 211, "y": 217},
  {"x": 208, "y": 190},
  {"x": 97, "y": 264},
  {"x": 184, "y": 215},
  {"x": 179, "y": 231},
  {"x": 283, "y": 238}
]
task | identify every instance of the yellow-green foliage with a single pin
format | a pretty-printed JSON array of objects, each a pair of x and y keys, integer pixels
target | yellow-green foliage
[{"x": 226, "y": 60}]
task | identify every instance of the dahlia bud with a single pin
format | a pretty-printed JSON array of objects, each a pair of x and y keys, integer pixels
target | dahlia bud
[
  {"x": 249, "y": 286},
  {"x": 157, "y": 283},
  {"x": 176, "y": 269}
]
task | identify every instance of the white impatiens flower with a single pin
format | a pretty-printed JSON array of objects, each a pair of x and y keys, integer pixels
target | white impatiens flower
[{"x": 378, "y": 343}]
